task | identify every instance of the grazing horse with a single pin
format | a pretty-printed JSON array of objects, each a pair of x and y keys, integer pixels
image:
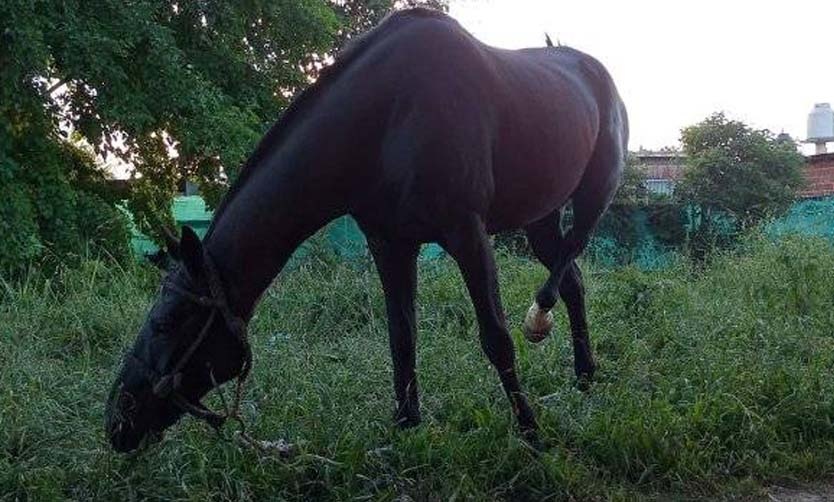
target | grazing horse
[{"x": 422, "y": 134}]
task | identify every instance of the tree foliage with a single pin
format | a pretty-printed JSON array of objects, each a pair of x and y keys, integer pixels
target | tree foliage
[
  {"x": 172, "y": 90},
  {"x": 749, "y": 174},
  {"x": 632, "y": 190}
]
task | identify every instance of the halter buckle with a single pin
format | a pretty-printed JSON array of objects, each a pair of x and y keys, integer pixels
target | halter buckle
[{"x": 166, "y": 385}]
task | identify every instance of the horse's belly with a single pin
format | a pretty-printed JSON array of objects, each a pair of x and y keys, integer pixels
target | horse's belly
[{"x": 524, "y": 194}]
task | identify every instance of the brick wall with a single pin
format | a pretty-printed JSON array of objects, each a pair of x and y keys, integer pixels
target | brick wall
[
  {"x": 661, "y": 165},
  {"x": 819, "y": 175}
]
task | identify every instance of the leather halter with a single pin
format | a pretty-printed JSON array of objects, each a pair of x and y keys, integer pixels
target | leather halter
[{"x": 167, "y": 386}]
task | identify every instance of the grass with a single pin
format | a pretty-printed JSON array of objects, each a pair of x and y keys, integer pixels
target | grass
[{"x": 713, "y": 381}]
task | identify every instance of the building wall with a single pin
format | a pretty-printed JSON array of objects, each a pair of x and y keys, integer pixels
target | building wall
[
  {"x": 662, "y": 170},
  {"x": 819, "y": 176},
  {"x": 663, "y": 167}
]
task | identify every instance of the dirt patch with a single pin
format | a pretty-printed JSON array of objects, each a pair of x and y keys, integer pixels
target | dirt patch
[{"x": 813, "y": 493}]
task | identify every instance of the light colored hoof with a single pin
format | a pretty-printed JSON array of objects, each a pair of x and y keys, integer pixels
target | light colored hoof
[{"x": 537, "y": 324}]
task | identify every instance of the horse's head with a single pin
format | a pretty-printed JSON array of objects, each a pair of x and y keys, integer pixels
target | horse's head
[{"x": 189, "y": 343}]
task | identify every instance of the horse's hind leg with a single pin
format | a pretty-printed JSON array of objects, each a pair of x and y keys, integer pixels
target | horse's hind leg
[
  {"x": 396, "y": 262},
  {"x": 590, "y": 200},
  {"x": 545, "y": 237},
  {"x": 469, "y": 244}
]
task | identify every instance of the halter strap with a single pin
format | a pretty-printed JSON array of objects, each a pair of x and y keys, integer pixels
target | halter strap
[
  {"x": 167, "y": 386},
  {"x": 235, "y": 323}
]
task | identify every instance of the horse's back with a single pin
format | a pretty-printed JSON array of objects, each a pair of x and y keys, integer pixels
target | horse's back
[
  {"x": 436, "y": 86},
  {"x": 507, "y": 134}
]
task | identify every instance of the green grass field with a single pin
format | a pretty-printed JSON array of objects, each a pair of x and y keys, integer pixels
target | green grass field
[{"x": 713, "y": 382}]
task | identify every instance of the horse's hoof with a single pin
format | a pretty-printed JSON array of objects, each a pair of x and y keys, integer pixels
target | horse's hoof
[
  {"x": 406, "y": 419},
  {"x": 531, "y": 437},
  {"x": 408, "y": 422},
  {"x": 535, "y": 337},
  {"x": 537, "y": 323},
  {"x": 585, "y": 376},
  {"x": 583, "y": 383}
]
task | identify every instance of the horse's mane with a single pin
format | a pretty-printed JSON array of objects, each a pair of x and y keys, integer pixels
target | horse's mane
[{"x": 354, "y": 48}]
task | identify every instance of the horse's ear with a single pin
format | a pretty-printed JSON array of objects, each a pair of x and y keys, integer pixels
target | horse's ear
[
  {"x": 172, "y": 245},
  {"x": 191, "y": 252}
]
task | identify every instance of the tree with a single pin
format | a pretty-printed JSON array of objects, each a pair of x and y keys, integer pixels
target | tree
[
  {"x": 172, "y": 89},
  {"x": 632, "y": 190},
  {"x": 746, "y": 173},
  {"x": 360, "y": 16}
]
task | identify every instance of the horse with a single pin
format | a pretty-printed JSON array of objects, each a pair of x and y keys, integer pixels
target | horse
[{"x": 421, "y": 133}]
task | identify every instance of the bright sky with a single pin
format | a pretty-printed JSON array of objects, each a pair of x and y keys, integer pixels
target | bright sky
[{"x": 675, "y": 62}]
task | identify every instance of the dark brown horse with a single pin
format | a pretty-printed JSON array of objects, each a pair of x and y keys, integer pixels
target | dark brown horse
[{"x": 422, "y": 134}]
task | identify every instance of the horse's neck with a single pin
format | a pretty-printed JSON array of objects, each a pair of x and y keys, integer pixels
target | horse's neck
[{"x": 291, "y": 195}]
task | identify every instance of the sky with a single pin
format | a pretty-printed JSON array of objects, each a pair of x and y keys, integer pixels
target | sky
[{"x": 676, "y": 62}]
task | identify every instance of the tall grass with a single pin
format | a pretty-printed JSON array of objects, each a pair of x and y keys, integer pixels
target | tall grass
[{"x": 712, "y": 380}]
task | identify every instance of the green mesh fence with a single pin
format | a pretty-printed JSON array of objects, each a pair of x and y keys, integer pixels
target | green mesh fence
[
  {"x": 631, "y": 239},
  {"x": 636, "y": 239},
  {"x": 807, "y": 217},
  {"x": 343, "y": 236},
  {"x": 646, "y": 237},
  {"x": 348, "y": 241}
]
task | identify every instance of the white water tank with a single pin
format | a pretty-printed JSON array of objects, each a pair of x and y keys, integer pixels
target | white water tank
[
  {"x": 821, "y": 123},
  {"x": 821, "y": 126}
]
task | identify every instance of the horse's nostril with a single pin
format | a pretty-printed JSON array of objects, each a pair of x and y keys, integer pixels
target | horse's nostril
[{"x": 123, "y": 436}]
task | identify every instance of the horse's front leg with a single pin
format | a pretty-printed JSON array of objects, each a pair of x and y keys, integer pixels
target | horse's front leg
[
  {"x": 396, "y": 262},
  {"x": 469, "y": 245}
]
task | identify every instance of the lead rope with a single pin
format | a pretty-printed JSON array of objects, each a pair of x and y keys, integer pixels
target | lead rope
[
  {"x": 232, "y": 412},
  {"x": 280, "y": 447}
]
